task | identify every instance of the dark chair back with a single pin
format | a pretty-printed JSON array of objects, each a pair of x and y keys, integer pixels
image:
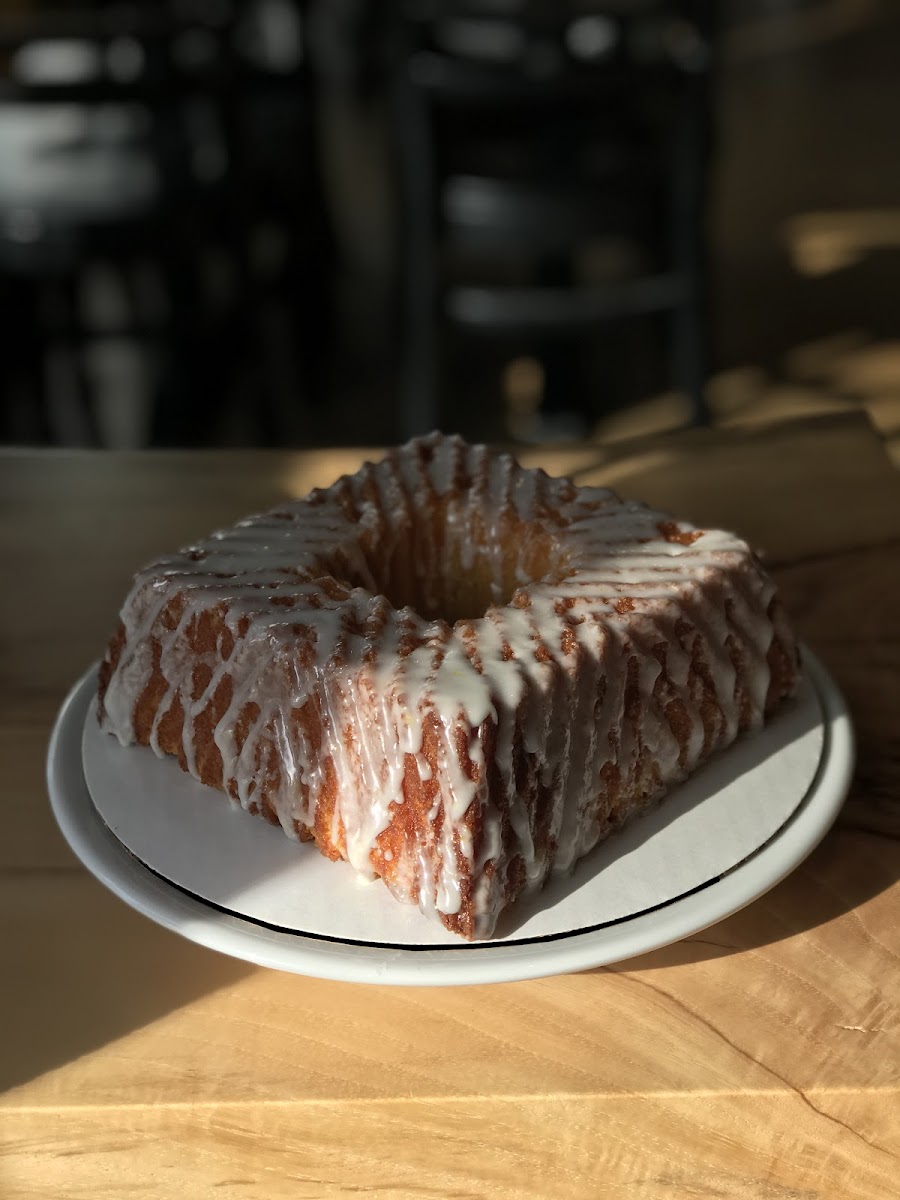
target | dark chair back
[{"x": 528, "y": 135}]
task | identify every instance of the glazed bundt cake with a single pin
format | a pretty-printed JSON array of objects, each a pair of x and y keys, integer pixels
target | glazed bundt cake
[{"x": 455, "y": 673}]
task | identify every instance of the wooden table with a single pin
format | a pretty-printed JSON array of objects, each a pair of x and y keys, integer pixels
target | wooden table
[{"x": 758, "y": 1059}]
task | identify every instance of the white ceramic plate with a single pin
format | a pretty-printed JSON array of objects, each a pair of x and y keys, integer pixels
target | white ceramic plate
[
  {"x": 768, "y": 800},
  {"x": 194, "y": 837}
]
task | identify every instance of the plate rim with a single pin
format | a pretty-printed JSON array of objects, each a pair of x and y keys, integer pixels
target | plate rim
[{"x": 174, "y": 908}]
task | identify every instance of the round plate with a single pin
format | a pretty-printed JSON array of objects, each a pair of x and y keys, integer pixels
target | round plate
[
  {"x": 813, "y": 810},
  {"x": 194, "y": 837}
]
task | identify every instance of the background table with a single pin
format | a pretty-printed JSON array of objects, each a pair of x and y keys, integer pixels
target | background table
[{"x": 760, "y": 1058}]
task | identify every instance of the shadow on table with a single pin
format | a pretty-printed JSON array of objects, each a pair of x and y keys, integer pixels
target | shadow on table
[
  {"x": 88, "y": 987},
  {"x": 850, "y": 868}
]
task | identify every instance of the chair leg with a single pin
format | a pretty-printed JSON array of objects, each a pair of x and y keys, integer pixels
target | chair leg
[
  {"x": 24, "y": 415},
  {"x": 72, "y": 338}
]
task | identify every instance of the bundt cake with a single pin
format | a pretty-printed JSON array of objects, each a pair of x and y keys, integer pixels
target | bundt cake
[{"x": 455, "y": 673}]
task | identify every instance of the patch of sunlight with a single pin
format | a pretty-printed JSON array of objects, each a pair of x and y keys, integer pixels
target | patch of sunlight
[
  {"x": 657, "y": 414},
  {"x": 785, "y": 402},
  {"x": 821, "y": 243},
  {"x": 851, "y": 365},
  {"x": 816, "y": 361},
  {"x": 729, "y": 392},
  {"x": 884, "y": 412},
  {"x": 869, "y": 371},
  {"x": 523, "y": 382},
  {"x": 611, "y": 474},
  {"x": 308, "y": 469}
]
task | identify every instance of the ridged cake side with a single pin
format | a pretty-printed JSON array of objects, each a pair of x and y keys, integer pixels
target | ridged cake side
[{"x": 594, "y": 653}]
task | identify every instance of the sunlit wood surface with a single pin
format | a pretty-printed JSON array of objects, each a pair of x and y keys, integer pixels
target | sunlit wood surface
[{"x": 758, "y": 1059}]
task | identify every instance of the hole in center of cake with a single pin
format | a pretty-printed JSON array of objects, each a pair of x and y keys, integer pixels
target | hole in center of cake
[{"x": 456, "y": 561}]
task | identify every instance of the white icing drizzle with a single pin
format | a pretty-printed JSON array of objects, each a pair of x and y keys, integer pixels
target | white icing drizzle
[{"x": 535, "y": 726}]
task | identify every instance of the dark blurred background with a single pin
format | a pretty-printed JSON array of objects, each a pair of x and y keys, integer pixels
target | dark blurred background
[{"x": 290, "y": 223}]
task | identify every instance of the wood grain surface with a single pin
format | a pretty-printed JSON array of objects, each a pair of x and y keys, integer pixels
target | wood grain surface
[{"x": 758, "y": 1059}]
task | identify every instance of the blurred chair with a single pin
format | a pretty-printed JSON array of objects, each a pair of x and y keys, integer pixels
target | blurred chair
[
  {"x": 124, "y": 144},
  {"x": 536, "y": 140},
  {"x": 277, "y": 189}
]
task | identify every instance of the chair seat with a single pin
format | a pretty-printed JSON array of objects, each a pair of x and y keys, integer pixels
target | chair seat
[
  {"x": 547, "y": 310},
  {"x": 540, "y": 215}
]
